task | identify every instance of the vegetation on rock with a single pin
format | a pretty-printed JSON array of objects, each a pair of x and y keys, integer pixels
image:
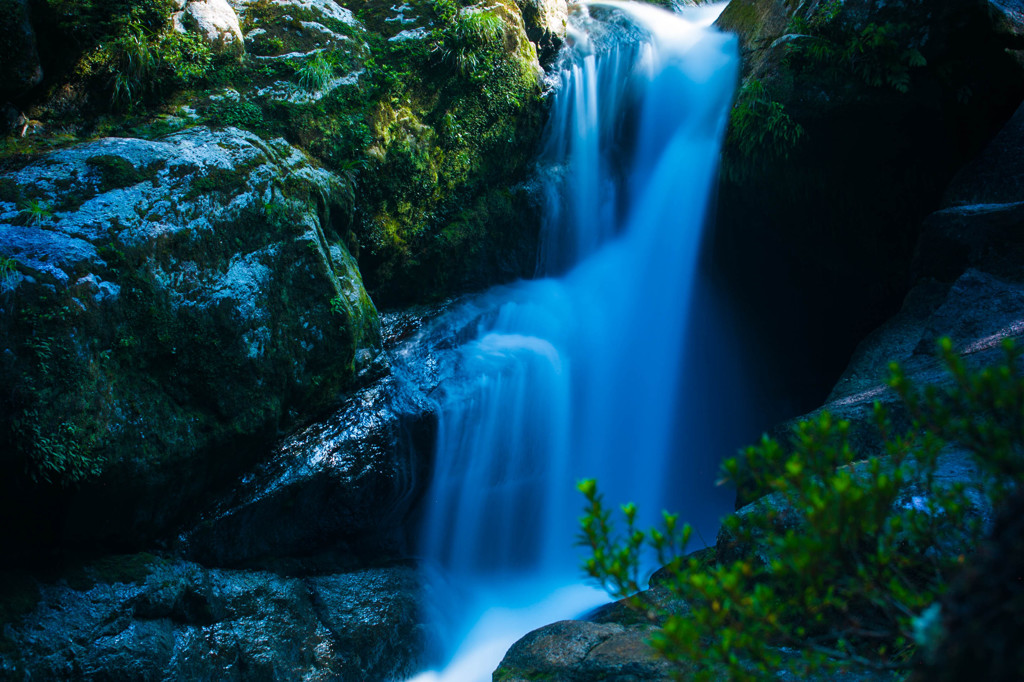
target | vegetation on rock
[
  {"x": 846, "y": 560},
  {"x": 431, "y": 111}
]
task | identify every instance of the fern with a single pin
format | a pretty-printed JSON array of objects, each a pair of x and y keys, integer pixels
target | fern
[{"x": 760, "y": 130}]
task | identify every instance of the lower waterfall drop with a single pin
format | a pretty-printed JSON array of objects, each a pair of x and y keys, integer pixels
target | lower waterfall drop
[{"x": 582, "y": 375}]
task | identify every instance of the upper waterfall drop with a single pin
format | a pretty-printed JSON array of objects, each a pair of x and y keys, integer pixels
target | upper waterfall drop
[{"x": 584, "y": 375}]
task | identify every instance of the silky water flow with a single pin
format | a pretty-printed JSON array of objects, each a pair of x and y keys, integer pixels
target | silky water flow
[{"x": 582, "y": 373}]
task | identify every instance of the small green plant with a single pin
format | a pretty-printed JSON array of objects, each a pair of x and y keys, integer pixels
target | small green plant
[
  {"x": 760, "y": 130},
  {"x": 842, "y": 564},
  {"x": 8, "y": 268},
  {"x": 467, "y": 43},
  {"x": 444, "y": 10},
  {"x": 316, "y": 73},
  {"x": 878, "y": 54},
  {"x": 338, "y": 306},
  {"x": 35, "y": 212},
  {"x": 62, "y": 456}
]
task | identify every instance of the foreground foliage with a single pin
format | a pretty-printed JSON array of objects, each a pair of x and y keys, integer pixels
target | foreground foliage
[{"x": 843, "y": 564}]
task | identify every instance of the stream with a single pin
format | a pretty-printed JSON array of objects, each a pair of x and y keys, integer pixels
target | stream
[{"x": 597, "y": 368}]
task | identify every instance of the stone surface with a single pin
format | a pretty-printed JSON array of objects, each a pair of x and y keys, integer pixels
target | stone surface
[
  {"x": 169, "y": 619},
  {"x": 996, "y": 176},
  {"x": 215, "y": 21},
  {"x": 578, "y": 651},
  {"x": 545, "y": 22},
  {"x": 344, "y": 484},
  {"x": 168, "y": 299}
]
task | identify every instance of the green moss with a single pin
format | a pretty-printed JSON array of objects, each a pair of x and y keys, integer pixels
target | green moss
[
  {"x": 116, "y": 172},
  {"x": 216, "y": 179},
  {"x": 118, "y": 568}
]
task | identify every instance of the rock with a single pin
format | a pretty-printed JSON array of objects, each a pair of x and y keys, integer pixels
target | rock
[
  {"x": 344, "y": 484},
  {"x": 20, "y": 69},
  {"x": 292, "y": 29},
  {"x": 978, "y": 312},
  {"x": 996, "y": 176},
  {"x": 375, "y": 618},
  {"x": 172, "y": 304},
  {"x": 179, "y": 620},
  {"x": 545, "y": 22},
  {"x": 215, "y": 21},
  {"x": 579, "y": 651},
  {"x": 829, "y": 223}
]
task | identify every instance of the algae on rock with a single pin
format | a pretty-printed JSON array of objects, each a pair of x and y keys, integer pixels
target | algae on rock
[{"x": 185, "y": 294}]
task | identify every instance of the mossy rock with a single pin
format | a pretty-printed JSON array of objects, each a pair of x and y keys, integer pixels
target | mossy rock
[{"x": 193, "y": 298}]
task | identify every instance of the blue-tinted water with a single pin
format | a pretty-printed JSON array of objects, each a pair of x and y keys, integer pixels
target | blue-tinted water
[{"x": 583, "y": 374}]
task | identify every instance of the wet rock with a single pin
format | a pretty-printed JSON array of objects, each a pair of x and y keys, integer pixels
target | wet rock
[
  {"x": 375, "y": 618},
  {"x": 20, "y": 69},
  {"x": 344, "y": 484},
  {"x": 168, "y": 305},
  {"x": 183, "y": 621}
]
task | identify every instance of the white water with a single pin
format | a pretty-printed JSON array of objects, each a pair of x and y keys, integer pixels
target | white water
[{"x": 583, "y": 375}]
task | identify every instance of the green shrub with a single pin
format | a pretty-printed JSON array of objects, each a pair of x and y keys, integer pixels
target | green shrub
[
  {"x": 142, "y": 63},
  {"x": 241, "y": 114},
  {"x": 842, "y": 566}
]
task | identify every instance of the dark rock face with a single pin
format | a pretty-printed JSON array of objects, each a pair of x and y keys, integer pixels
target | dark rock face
[
  {"x": 183, "y": 621},
  {"x": 344, "y": 484},
  {"x": 831, "y": 230},
  {"x": 162, "y": 302},
  {"x": 982, "y": 616},
  {"x": 20, "y": 69}
]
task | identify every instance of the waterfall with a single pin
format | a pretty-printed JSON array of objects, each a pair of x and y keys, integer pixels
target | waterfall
[{"x": 582, "y": 374}]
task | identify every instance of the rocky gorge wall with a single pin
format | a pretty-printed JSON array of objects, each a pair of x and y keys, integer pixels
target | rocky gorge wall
[{"x": 200, "y": 412}]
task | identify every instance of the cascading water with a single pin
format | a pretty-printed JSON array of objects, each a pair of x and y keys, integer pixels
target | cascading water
[{"x": 583, "y": 375}]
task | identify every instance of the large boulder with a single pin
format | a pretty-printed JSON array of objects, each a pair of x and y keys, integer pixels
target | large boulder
[
  {"x": 167, "y": 306},
  {"x": 146, "y": 618},
  {"x": 20, "y": 69},
  {"x": 891, "y": 98}
]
